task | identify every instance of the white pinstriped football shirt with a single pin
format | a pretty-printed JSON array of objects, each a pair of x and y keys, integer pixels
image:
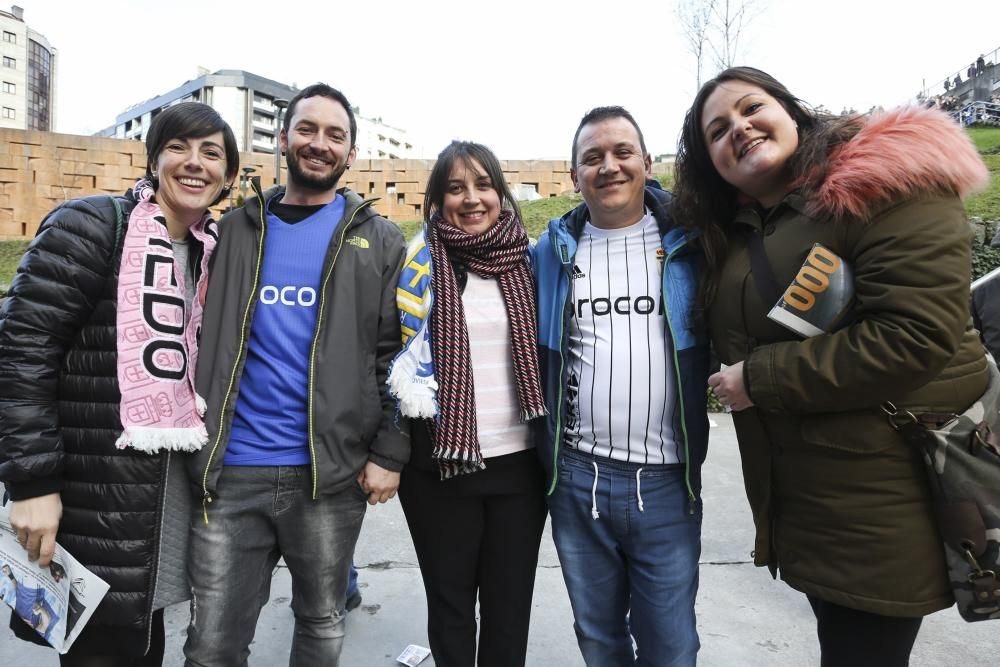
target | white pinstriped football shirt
[{"x": 622, "y": 386}]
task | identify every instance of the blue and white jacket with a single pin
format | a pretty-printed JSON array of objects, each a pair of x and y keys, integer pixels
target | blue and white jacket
[{"x": 554, "y": 255}]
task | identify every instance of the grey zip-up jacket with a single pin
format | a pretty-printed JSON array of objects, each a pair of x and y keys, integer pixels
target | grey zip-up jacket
[{"x": 350, "y": 413}]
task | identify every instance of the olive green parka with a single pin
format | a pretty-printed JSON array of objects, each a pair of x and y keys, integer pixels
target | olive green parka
[{"x": 840, "y": 502}]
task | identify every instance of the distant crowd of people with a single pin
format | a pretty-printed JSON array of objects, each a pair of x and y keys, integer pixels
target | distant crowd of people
[
  {"x": 968, "y": 113},
  {"x": 977, "y": 68}
]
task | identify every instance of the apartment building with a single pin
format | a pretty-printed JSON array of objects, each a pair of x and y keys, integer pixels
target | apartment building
[
  {"x": 253, "y": 106},
  {"x": 27, "y": 75}
]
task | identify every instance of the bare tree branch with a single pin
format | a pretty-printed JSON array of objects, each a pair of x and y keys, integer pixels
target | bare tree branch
[
  {"x": 730, "y": 18},
  {"x": 695, "y": 21},
  {"x": 716, "y": 28}
]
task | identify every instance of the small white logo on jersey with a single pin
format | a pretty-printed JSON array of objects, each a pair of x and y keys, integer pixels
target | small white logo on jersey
[{"x": 288, "y": 295}]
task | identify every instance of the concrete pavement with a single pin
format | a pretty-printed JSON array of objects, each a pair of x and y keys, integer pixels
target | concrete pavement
[{"x": 744, "y": 618}]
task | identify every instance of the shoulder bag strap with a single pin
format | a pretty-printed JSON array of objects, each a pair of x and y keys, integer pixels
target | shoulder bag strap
[
  {"x": 119, "y": 237},
  {"x": 119, "y": 224},
  {"x": 760, "y": 268}
]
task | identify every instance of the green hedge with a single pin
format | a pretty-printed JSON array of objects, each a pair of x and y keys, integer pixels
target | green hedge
[{"x": 984, "y": 260}]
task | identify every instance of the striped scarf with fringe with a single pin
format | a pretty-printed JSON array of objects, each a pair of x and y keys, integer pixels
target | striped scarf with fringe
[{"x": 501, "y": 253}]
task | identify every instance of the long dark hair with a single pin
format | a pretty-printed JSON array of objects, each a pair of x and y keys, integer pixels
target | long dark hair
[
  {"x": 705, "y": 202},
  {"x": 469, "y": 153}
]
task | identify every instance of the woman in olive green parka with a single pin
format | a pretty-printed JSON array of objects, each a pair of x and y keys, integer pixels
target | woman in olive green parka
[{"x": 840, "y": 502}]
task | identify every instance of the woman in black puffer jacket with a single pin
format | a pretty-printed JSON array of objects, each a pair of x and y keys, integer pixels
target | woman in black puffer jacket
[{"x": 106, "y": 303}]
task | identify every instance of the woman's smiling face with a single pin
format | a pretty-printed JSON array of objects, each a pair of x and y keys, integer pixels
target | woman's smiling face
[
  {"x": 750, "y": 137},
  {"x": 190, "y": 173},
  {"x": 471, "y": 202}
]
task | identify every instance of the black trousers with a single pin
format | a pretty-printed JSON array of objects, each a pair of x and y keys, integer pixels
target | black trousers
[
  {"x": 478, "y": 533},
  {"x": 154, "y": 658},
  {"x": 852, "y": 638}
]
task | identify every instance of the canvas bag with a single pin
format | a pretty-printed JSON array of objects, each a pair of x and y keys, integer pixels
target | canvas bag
[{"x": 962, "y": 456}]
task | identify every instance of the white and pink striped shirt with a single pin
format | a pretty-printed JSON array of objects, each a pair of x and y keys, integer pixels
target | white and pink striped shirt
[{"x": 497, "y": 409}]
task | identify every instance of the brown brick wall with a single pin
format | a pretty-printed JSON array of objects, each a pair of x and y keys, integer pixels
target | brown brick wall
[{"x": 39, "y": 170}]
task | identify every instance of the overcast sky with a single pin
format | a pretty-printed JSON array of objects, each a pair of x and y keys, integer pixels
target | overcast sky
[{"x": 513, "y": 74}]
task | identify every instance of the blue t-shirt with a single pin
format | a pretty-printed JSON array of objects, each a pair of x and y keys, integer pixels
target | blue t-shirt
[{"x": 270, "y": 426}]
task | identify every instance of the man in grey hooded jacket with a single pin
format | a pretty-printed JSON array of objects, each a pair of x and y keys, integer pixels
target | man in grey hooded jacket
[{"x": 300, "y": 327}]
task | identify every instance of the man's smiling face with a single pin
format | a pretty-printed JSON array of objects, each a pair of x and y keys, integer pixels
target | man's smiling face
[
  {"x": 317, "y": 144},
  {"x": 611, "y": 172}
]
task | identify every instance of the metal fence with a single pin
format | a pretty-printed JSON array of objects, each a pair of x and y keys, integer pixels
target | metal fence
[{"x": 983, "y": 113}]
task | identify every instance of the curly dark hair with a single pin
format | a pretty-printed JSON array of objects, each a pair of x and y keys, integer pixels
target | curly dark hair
[{"x": 703, "y": 201}]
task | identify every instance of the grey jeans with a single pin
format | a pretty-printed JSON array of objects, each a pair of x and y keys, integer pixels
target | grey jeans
[{"x": 259, "y": 515}]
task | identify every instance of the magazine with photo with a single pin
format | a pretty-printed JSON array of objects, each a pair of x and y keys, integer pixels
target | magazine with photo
[
  {"x": 820, "y": 297},
  {"x": 58, "y": 600}
]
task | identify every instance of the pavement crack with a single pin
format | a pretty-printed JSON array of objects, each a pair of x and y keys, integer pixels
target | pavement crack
[
  {"x": 388, "y": 565},
  {"x": 726, "y": 562}
]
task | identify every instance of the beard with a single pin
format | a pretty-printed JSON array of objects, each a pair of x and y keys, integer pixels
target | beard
[{"x": 308, "y": 181}]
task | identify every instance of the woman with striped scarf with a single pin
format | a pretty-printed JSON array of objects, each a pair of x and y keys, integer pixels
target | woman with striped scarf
[{"x": 468, "y": 377}]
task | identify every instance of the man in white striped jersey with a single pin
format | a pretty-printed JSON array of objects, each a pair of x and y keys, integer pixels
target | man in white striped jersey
[{"x": 625, "y": 377}]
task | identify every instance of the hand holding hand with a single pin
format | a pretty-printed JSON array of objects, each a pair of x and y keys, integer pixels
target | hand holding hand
[
  {"x": 729, "y": 388},
  {"x": 36, "y": 521},
  {"x": 380, "y": 484}
]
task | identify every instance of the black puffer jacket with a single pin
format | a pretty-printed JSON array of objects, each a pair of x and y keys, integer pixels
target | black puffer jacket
[{"x": 59, "y": 416}]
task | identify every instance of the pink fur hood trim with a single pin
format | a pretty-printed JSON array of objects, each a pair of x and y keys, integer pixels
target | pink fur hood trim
[{"x": 896, "y": 155}]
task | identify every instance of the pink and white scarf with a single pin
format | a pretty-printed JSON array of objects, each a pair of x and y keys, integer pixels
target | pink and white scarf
[{"x": 157, "y": 339}]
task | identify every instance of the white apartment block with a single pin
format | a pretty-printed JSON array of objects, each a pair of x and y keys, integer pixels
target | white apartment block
[
  {"x": 378, "y": 141},
  {"x": 27, "y": 75},
  {"x": 252, "y": 106},
  {"x": 246, "y": 101}
]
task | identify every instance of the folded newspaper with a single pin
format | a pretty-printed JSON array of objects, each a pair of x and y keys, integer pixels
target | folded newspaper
[
  {"x": 820, "y": 298},
  {"x": 413, "y": 655},
  {"x": 57, "y": 601}
]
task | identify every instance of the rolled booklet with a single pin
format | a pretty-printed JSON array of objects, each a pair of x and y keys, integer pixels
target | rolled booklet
[{"x": 820, "y": 298}]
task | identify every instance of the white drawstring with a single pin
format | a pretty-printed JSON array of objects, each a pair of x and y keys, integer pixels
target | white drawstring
[
  {"x": 638, "y": 488},
  {"x": 593, "y": 495}
]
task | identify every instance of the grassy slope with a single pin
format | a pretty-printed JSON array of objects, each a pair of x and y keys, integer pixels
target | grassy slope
[
  {"x": 10, "y": 255},
  {"x": 987, "y": 139},
  {"x": 536, "y": 214},
  {"x": 986, "y": 204}
]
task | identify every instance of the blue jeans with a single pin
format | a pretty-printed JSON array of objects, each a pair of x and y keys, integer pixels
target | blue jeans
[
  {"x": 352, "y": 581},
  {"x": 259, "y": 515},
  {"x": 631, "y": 570}
]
